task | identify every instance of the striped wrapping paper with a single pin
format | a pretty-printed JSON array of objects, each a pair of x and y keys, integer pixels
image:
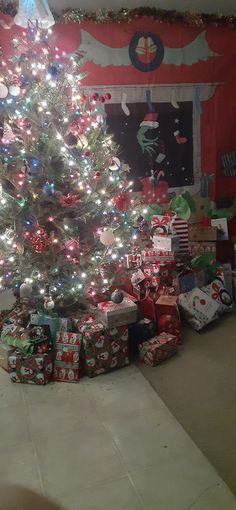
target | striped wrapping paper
[{"x": 181, "y": 228}]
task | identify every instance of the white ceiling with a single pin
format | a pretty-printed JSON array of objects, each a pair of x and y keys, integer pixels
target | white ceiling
[{"x": 219, "y": 6}]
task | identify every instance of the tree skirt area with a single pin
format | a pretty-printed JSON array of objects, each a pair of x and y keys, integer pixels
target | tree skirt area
[{"x": 199, "y": 387}]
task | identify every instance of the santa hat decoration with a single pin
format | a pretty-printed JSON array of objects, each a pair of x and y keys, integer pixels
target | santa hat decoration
[{"x": 150, "y": 120}]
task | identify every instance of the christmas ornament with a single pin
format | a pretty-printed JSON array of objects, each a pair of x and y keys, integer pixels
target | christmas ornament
[
  {"x": 115, "y": 164},
  {"x": 25, "y": 290},
  {"x": 107, "y": 96},
  {"x": 53, "y": 72},
  {"x": 82, "y": 142},
  {"x": 14, "y": 90},
  {"x": 3, "y": 91},
  {"x": 36, "y": 12},
  {"x": 20, "y": 247},
  {"x": 101, "y": 99},
  {"x": 68, "y": 200},
  {"x": 107, "y": 237},
  {"x": 49, "y": 303},
  {"x": 122, "y": 201},
  {"x": 117, "y": 296}
]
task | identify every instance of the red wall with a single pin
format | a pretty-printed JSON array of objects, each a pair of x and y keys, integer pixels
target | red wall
[{"x": 218, "y": 119}]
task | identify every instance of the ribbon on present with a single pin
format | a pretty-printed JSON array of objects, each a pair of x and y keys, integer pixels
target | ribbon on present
[
  {"x": 216, "y": 291},
  {"x": 23, "y": 344}
]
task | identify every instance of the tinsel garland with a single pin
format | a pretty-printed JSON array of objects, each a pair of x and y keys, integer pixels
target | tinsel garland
[{"x": 199, "y": 20}]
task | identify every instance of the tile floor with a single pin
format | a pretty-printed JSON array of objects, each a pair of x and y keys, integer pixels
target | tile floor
[{"x": 104, "y": 443}]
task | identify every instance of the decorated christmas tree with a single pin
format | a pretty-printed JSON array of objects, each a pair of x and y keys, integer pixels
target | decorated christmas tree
[{"x": 65, "y": 195}]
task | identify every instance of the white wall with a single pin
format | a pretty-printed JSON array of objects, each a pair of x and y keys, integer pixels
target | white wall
[{"x": 219, "y": 6}]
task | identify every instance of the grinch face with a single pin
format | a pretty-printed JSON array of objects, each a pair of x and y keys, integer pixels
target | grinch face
[
  {"x": 27, "y": 371},
  {"x": 103, "y": 356},
  {"x": 100, "y": 342},
  {"x": 12, "y": 361},
  {"x": 91, "y": 362}
]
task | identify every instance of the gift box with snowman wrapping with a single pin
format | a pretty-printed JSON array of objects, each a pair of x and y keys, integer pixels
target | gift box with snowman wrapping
[
  {"x": 67, "y": 366},
  {"x": 104, "y": 348},
  {"x": 157, "y": 349},
  {"x": 30, "y": 369}
]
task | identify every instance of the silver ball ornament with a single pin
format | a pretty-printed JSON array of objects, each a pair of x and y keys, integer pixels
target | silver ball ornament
[
  {"x": 117, "y": 296},
  {"x": 25, "y": 290}
]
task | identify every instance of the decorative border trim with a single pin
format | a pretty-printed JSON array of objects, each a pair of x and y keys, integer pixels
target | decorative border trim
[{"x": 199, "y": 20}]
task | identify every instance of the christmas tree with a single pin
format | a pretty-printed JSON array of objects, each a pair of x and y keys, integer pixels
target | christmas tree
[{"x": 65, "y": 225}]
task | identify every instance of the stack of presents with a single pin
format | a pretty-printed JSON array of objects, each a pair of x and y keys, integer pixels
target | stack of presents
[{"x": 165, "y": 283}]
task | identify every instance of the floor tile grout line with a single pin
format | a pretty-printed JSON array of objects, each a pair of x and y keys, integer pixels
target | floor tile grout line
[
  {"x": 128, "y": 474},
  {"x": 137, "y": 492},
  {"x": 32, "y": 442}
]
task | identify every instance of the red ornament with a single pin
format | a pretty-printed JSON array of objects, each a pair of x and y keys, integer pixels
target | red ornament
[
  {"x": 97, "y": 175},
  {"x": 122, "y": 201},
  {"x": 101, "y": 99},
  {"x": 95, "y": 96},
  {"x": 39, "y": 244},
  {"x": 68, "y": 200},
  {"x": 87, "y": 153},
  {"x": 107, "y": 96}
]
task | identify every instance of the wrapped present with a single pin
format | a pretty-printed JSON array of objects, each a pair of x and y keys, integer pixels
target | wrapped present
[
  {"x": 157, "y": 256},
  {"x": 168, "y": 323},
  {"x": 168, "y": 243},
  {"x": 180, "y": 228},
  {"x": 186, "y": 281},
  {"x": 105, "y": 349},
  {"x": 137, "y": 277},
  {"x": 40, "y": 337},
  {"x": 67, "y": 356},
  {"x": 199, "y": 232},
  {"x": 66, "y": 373},
  {"x": 200, "y": 247},
  {"x": 148, "y": 306},
  {"x": 162, "y": 225},
  {"x": 133, "y": 260},
  {"x": 168, "y": 318},
  {"x": 154, "y": 194},
  {"x": 5, "y": 352},
  {"x": 31, "y": 369},
  {"x": 140, "y": 332},
  {"x": 112, "y": 314},
  {"x": 198, "y": 308},
  {"x": 157, "y": 349},
  {"x": 15, "y": 323},
  {"x": 200, "y": 278},
  {"x": 167, "y": 304},
  {"x": 222, "y": 228},
  {"x": 219, "y": 293},
  {"x": 55, "y": 323}
]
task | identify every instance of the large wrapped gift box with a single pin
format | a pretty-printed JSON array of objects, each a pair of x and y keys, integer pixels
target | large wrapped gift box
[
  {"x": 157, "y": 349},
  {"x": 104, "y": 348},
  {"x": 5, "y": 352},
  {"x": 31, "y": 369},
  {"x": 67, "y": 367},
  {"x": 198, "y": 308},
  {"x": 220, "y": 294},
  {"x": 140, "y": 332},
  {"x": 114, "y": 315}
]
